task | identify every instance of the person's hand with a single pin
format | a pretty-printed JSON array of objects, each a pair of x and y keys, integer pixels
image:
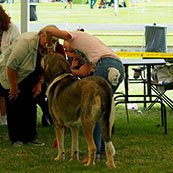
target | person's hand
[
  {"x": 74, "y": 63},
  {"x": 92, "y": 70},
  {"x": 13, "y": 93},
  {"x": 37, "y": 89},
  {"x": 85, "y": 69}
]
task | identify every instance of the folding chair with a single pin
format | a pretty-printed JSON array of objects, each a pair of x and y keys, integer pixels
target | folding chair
[
  {"x": 163, "y": 81},
  {"x": 159, "y": 90}
]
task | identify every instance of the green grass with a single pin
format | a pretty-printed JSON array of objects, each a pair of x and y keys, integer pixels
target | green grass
[
  {"x": 159, "y": 11},
  {"x": 81, "y": 13},
  {"x": 140, "y": 146}
]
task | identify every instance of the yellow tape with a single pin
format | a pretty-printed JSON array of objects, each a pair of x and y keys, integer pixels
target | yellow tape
[{"x": 144, "y": 54}]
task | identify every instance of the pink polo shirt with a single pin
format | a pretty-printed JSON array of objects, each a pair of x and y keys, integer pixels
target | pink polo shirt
[{"x": 89, "y": 47}]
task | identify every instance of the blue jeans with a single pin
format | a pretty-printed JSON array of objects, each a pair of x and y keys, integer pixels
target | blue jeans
[
  {"x": 100, "y": 146},
  {"x": 102, "y": 70},
  {"x": 92, "y": 3}
]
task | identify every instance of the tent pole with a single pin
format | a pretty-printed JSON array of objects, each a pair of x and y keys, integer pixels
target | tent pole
[{"x": 25, "y": 16}]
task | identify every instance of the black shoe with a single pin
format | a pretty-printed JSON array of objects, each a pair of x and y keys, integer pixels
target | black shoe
[{"x": 36, "y": 142}]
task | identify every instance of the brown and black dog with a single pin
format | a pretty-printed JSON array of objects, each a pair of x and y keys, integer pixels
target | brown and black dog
[{"x": 73, "y": 101}]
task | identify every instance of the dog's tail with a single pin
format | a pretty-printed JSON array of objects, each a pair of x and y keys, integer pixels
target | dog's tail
[
  {"x": 107, "y": 122},
  {"x": 110, "y": 147}
]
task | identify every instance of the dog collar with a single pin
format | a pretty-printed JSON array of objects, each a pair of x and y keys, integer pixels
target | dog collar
[{"x": 58, "y": 78}]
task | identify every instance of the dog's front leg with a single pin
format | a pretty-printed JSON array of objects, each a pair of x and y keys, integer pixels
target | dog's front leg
[
  {"x": 60, "y": 141},
  {"x": 75, "y": 143}
]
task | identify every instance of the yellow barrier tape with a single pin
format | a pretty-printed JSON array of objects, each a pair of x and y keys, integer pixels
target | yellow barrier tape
[{"x": 144, "y": 54}]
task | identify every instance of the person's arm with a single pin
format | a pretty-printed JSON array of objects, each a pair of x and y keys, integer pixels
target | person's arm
[
  {"x": 50, "y": 32},
  {"x": 37, "y": 88},
  {"x": 83, "y": 71},
  {"x": 12, "y": 77}
]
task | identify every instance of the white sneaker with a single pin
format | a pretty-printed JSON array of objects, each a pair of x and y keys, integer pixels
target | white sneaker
[{"x": 3, "y": 120}]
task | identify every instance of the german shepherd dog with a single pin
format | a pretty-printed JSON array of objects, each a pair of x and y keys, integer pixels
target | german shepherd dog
[{"x": 73, "y": 101}]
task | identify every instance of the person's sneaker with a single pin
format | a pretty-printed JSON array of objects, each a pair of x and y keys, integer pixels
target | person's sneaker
[
  {"x": 17, "y": 144},
  {"x": 3, "y": 120},
  {"x": 36, "y": 142}
]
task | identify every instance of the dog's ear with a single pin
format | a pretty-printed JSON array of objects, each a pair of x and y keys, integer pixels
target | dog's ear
[
  {"x": 47, "y": 74},
  {"x": 55, "y": 65},
  {"x": 59, "y": 63}
]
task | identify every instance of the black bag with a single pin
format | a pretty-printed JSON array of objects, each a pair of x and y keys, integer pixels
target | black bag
[{"x": 2, "y": 1}]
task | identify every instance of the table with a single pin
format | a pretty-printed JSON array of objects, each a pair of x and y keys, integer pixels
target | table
[
  {"x": 137, "y": 62},
  {"x": 148, "y": 63}
]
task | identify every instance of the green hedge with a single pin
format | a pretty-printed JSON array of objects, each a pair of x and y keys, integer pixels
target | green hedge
[{"x": 80, "y": 1}]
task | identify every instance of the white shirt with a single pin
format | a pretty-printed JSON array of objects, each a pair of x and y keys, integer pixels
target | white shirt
[{"x": 9, "y": 36}]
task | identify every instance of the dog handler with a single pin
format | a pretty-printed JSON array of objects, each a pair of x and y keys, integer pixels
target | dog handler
[
  {"x": 96, "y": 55},
  {"x": 22, "y": 78}
]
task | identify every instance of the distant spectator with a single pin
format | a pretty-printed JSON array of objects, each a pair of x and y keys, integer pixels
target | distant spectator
[
  {"x": 102, "y": 4},
  {"x": 9, "y": 1},
  {"x": 69, "y": 2},
  {"x": 111, "y": 3},
  {"x": 123, "y": 4},
  {"x": 92, "y": 3},
  {"x": 2, "y": 1}
]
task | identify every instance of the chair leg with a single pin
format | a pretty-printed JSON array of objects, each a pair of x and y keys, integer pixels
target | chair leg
[
  {"x": 127, "y": 113},
  {"x": 159, "y": 94},
  {"x": 162, "y": 95}
]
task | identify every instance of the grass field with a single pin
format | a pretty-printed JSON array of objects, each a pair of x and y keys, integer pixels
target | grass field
[
  {"x": 159, "y": 11},
  {"x": 141, "y": 146}
]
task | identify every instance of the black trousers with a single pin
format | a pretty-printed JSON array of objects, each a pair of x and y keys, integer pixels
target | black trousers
[
  {"x": 21, "y": 113},
  {"x": 42, "y": 102}
]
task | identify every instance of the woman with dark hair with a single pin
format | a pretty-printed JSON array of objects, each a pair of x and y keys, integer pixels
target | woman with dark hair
[{"x": 8, "y": 33}]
